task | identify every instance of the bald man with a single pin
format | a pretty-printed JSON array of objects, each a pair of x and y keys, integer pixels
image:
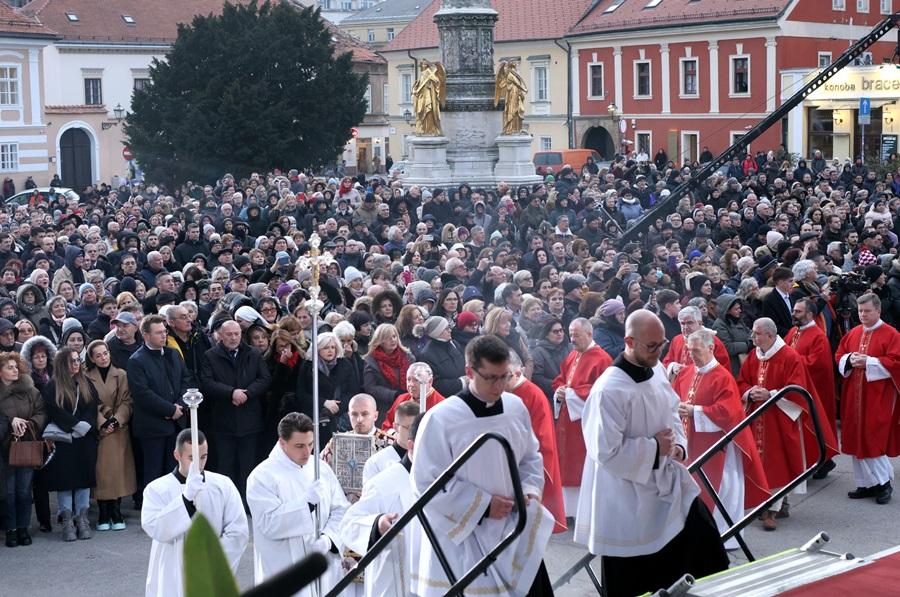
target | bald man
[{"x": 640, "y": 510}]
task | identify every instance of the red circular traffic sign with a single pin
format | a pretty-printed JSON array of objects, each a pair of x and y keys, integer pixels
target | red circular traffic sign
[{"x": 126, "y": 154}]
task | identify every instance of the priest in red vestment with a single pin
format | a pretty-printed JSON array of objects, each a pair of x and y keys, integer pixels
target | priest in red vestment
[
  {"x": 418, "y": 376},
  {"x": 578, "y": 372},
  {"x": 710, "y": 407},
  {"x": 784, "y": 434},
  {"x": 678, "y": 357},
  {"x": 811, "y": 343},
  {"x": 542, "y": 424},
  {"x": 869, "y": 360}
]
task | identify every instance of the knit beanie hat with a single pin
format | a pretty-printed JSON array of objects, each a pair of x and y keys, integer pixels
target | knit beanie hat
[
  {"x": 466, "y": 318},
  {"x": 435, "y": 326}
]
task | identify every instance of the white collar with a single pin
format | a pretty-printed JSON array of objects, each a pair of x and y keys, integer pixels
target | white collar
[
  {"x": 874, "y": 327},
  {"x": 808, "y": 325},
  {"x": 708, "y": 367},
  {"x": 279, "y": 455},
  {"x": 783, "y": 294},
  {"x": 520, "y": 381},
  {"x": 773, "y": 350}
]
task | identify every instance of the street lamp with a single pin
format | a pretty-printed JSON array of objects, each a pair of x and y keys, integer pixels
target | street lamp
[
  {"x": 407, "y": 115},
  {"x": 119, "y": 114}
]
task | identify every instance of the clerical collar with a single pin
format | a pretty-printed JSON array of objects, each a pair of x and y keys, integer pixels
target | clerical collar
[
  {"x": 874, "y": 327},
  {"x": 806, "y": 326},
  {"x": 479, "y": 407},
  {"x": 637, "y": 373},
  {"x": 406, "y": 462},
  {"x": 401, "y": 451},
  {"x": 708, "y": 367},
  {"x": 182, "y": 479},
  {"x": 773, "y": 350}
]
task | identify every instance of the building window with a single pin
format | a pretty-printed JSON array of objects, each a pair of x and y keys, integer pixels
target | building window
[
  {"x": 368, "y": 98},
  {"x": 689, "y": 82},
  {"x": 370, "y": 35},
  {"x": 824, "y": 59},
  {"x": 838, "y": 5},
  {"x": 141, "y": 84},
  {"x": 546, "y": 143},
  {"x": 595, "y": 80},
  {"x": 541, "y": 87},
  {"x": 9, "y": 157},
  {"x": 886, "y": 7},
  {"x": 9, "y": 86},
  {"x": 346, "y": 5},
  {"x": 93, "y": 92},
  {"x": 406, "y": 88},
  {"x": 129, "y": 20},
  {"x": 862, "y": 5},
  {"x": 740, "y": 75},
  {"x": 864, "y": 59},
  {"x": 385, "y": 98},
  {"x": 390, "y": 33},
  {"x": 642, "y": 83},
  {"x": 72, "y": 17},
  {"x": 644, "y": 142}
]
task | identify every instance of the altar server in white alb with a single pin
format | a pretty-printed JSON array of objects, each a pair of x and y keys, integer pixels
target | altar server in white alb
[
  {"x": 404, "y": 415},
  {"x": 475, "y": 510},
  {"x": 639, "y": 507},
  {"x": 283, "y": 496},
  {"x": 170, "y": 503},
  {"x": 385, "y": 498}
]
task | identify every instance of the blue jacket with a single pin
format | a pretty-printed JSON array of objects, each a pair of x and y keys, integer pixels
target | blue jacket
[{"x": 158, "y": 380}]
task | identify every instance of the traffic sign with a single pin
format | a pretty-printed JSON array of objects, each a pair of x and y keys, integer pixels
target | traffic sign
[
  {"x": 865, "y": 110},
  {"x": 354, "y": 132},
  {"x": 126, "y": 154}
]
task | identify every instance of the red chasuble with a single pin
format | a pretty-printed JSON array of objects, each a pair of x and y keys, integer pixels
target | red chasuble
[
  {"x": 542, "y": 423},
  {"x": 778, "y": 438},
  {"x": 869, "y": 418},
  {"x": 678, "y": 353},
  {"x": 717, "y": 393},
  {"x": 578, "y": 371},
  {"x": 813, "y": 347},
  {"x": 430, "y": 402}
]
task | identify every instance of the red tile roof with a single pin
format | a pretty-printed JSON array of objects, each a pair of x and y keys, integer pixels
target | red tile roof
[
  {"x": 344, "y": 42},
  {"x": 518, "y": 20},
  {"x": 12, "y": 22},
  {"x": 633, "y": 14}
]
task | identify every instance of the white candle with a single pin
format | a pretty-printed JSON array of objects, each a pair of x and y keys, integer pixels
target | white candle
[{"x": 195, "y": 444}]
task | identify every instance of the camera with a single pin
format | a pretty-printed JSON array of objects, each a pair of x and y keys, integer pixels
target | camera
[{"x": 852, "y": 283}]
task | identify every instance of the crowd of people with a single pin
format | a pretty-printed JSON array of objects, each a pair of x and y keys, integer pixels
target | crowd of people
[{"x": 115, "y": 304}]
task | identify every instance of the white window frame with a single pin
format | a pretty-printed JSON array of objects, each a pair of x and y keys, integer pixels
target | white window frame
[
  {"x": 682, "y": 93},
  {"x": 886, "y": 7},
  {"x": 862, "y": 6},
  {"x": 406, "y": 85},
  {"x": 634, "y": 69},
  {"x": 637, "y": 146},
  {"x": 682, "y": 154},
  {"x": 146, "y": 82},
  {"x": 546, "y": 143},
  {"x": 9, "y": 157},
  {"x": 590, "y": 80},
  {"x": 838, "y": 4},
  {"x": 390, "y": 33},
  {"x": 85, "y": 80},
  {"x": 537, "y": 96},
  {"x": 820, "y": 62},
  {"x": 385, "y": 98},
  {"x": 370, "y": 35},
  {"x": 734, "y": 136},
  {"x": 368, "y": 98},
  {"x": 731, "y": 91},
  {"x": 18, "y": 83}
]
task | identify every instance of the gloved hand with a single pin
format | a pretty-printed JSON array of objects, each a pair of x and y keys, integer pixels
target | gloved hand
[
  {"x": 194, "y": 484},
  {"x": 81, "y": 429},
  {"x": 316, "y": 492},
  {"x": 322, "y": 544}
]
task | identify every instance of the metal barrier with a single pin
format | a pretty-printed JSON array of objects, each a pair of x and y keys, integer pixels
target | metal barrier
[
  {"x": 696, "y": 467},
  {"x": 417, "y": 511}
]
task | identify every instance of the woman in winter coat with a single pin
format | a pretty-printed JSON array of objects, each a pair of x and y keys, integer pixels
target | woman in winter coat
[
  {"x": 115, "y": 460},
  {"x": 31, "y": 302},
  {"x": 732, "y": 331},
  {"x": 22, "y": 404},
  {"x": 444, "y": 356},
  {"x": 499, "y": 322},
  {"x": 71, "y": 401},
  {"x": 38, "y": 354},
  {"x": 410, "y": 326},
  {"x": 609, "y": 327},
  {"x": 549, "y": 354},
  {"x": 50, "y": 325},
  {"x": 284, "y": 359},
  {"x": 385, "y": 368}
]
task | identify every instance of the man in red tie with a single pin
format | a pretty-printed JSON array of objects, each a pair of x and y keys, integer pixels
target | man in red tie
[
  {"x": 811, "y": 343},
  {"x": 578, "y": 372},
  {"x": 710, "y": 407},
  {"x": 869, "y": 360},
  {"x": 678, "y": 357}
]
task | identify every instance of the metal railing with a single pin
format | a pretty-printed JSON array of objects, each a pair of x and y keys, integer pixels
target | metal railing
[
  {"x": 417, "y": 510},
  {"x": 720, "y": 445}
]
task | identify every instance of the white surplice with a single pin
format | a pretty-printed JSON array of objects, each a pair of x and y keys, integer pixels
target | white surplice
[
  {"x": 457, "y": 514},
  {"x": 283, "y": 524},
  {"x": 165, "y": 518},
  {"x": 379, "y": 461},
  {"x": 628, "y": 508},
  {"x": 388, "y": 492}
]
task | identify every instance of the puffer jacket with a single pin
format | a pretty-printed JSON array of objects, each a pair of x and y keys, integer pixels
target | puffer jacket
[
  {"x": 733, "y": 333},
  {"x": 36, "y": 311}
]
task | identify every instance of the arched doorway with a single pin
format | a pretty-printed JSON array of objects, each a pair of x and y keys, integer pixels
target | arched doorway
[
  {"x": 75, "y": 159},
  {"x": 599, "y": 139}
]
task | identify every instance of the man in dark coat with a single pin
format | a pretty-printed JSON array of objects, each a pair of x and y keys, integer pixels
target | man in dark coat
[
  {"x": 235, "y": 379},
  {"x": 777, "y": 305}
]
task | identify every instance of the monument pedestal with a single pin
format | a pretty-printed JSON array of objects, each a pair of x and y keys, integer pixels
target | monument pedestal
[
  {"x": 472, "y": 153},
  {"x": 514, "y": 165},
  {"x": 428, "y": 163}
]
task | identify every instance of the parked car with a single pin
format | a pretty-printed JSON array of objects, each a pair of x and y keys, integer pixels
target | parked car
[
  {"x": 576, "y": 158},
  {"x": 22, "y": 197}
]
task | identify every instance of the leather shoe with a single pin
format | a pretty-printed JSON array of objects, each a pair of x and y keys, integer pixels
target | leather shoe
[
  {"x": 768, "y": 521},
  {"x": 883, "y": 493},
  {"x": 11, "y": 539},
  {"x": 23, "y": 537},
  {"x": 824, "y": 470},
  {"x": 862, "y": 492},
  {"x": 785, "y": 511}
]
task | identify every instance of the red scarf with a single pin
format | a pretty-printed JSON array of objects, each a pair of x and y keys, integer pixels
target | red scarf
[{"x": 392, "y": 364}]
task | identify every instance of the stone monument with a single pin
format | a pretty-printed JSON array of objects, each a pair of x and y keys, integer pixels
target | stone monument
[{"x": 471, "y": 146}]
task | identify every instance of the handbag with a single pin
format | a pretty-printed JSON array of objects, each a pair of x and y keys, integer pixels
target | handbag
[{"x": 27, "y": 453}]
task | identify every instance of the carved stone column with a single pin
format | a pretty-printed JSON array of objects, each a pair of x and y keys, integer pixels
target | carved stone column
[{"x": 467, "y": 51}]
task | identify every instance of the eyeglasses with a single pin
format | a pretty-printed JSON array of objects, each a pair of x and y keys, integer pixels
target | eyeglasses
[
  {"x": 654, "y": 346},
  {"x": 493, "y": 379},
  {"x": 268, "y": 309},
  {"x": 556, "y": 331}
]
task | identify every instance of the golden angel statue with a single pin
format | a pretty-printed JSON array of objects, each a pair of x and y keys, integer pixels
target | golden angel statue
[
  {"x": 429, "y": 96},
  {"x": 511, "y": 87}
]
